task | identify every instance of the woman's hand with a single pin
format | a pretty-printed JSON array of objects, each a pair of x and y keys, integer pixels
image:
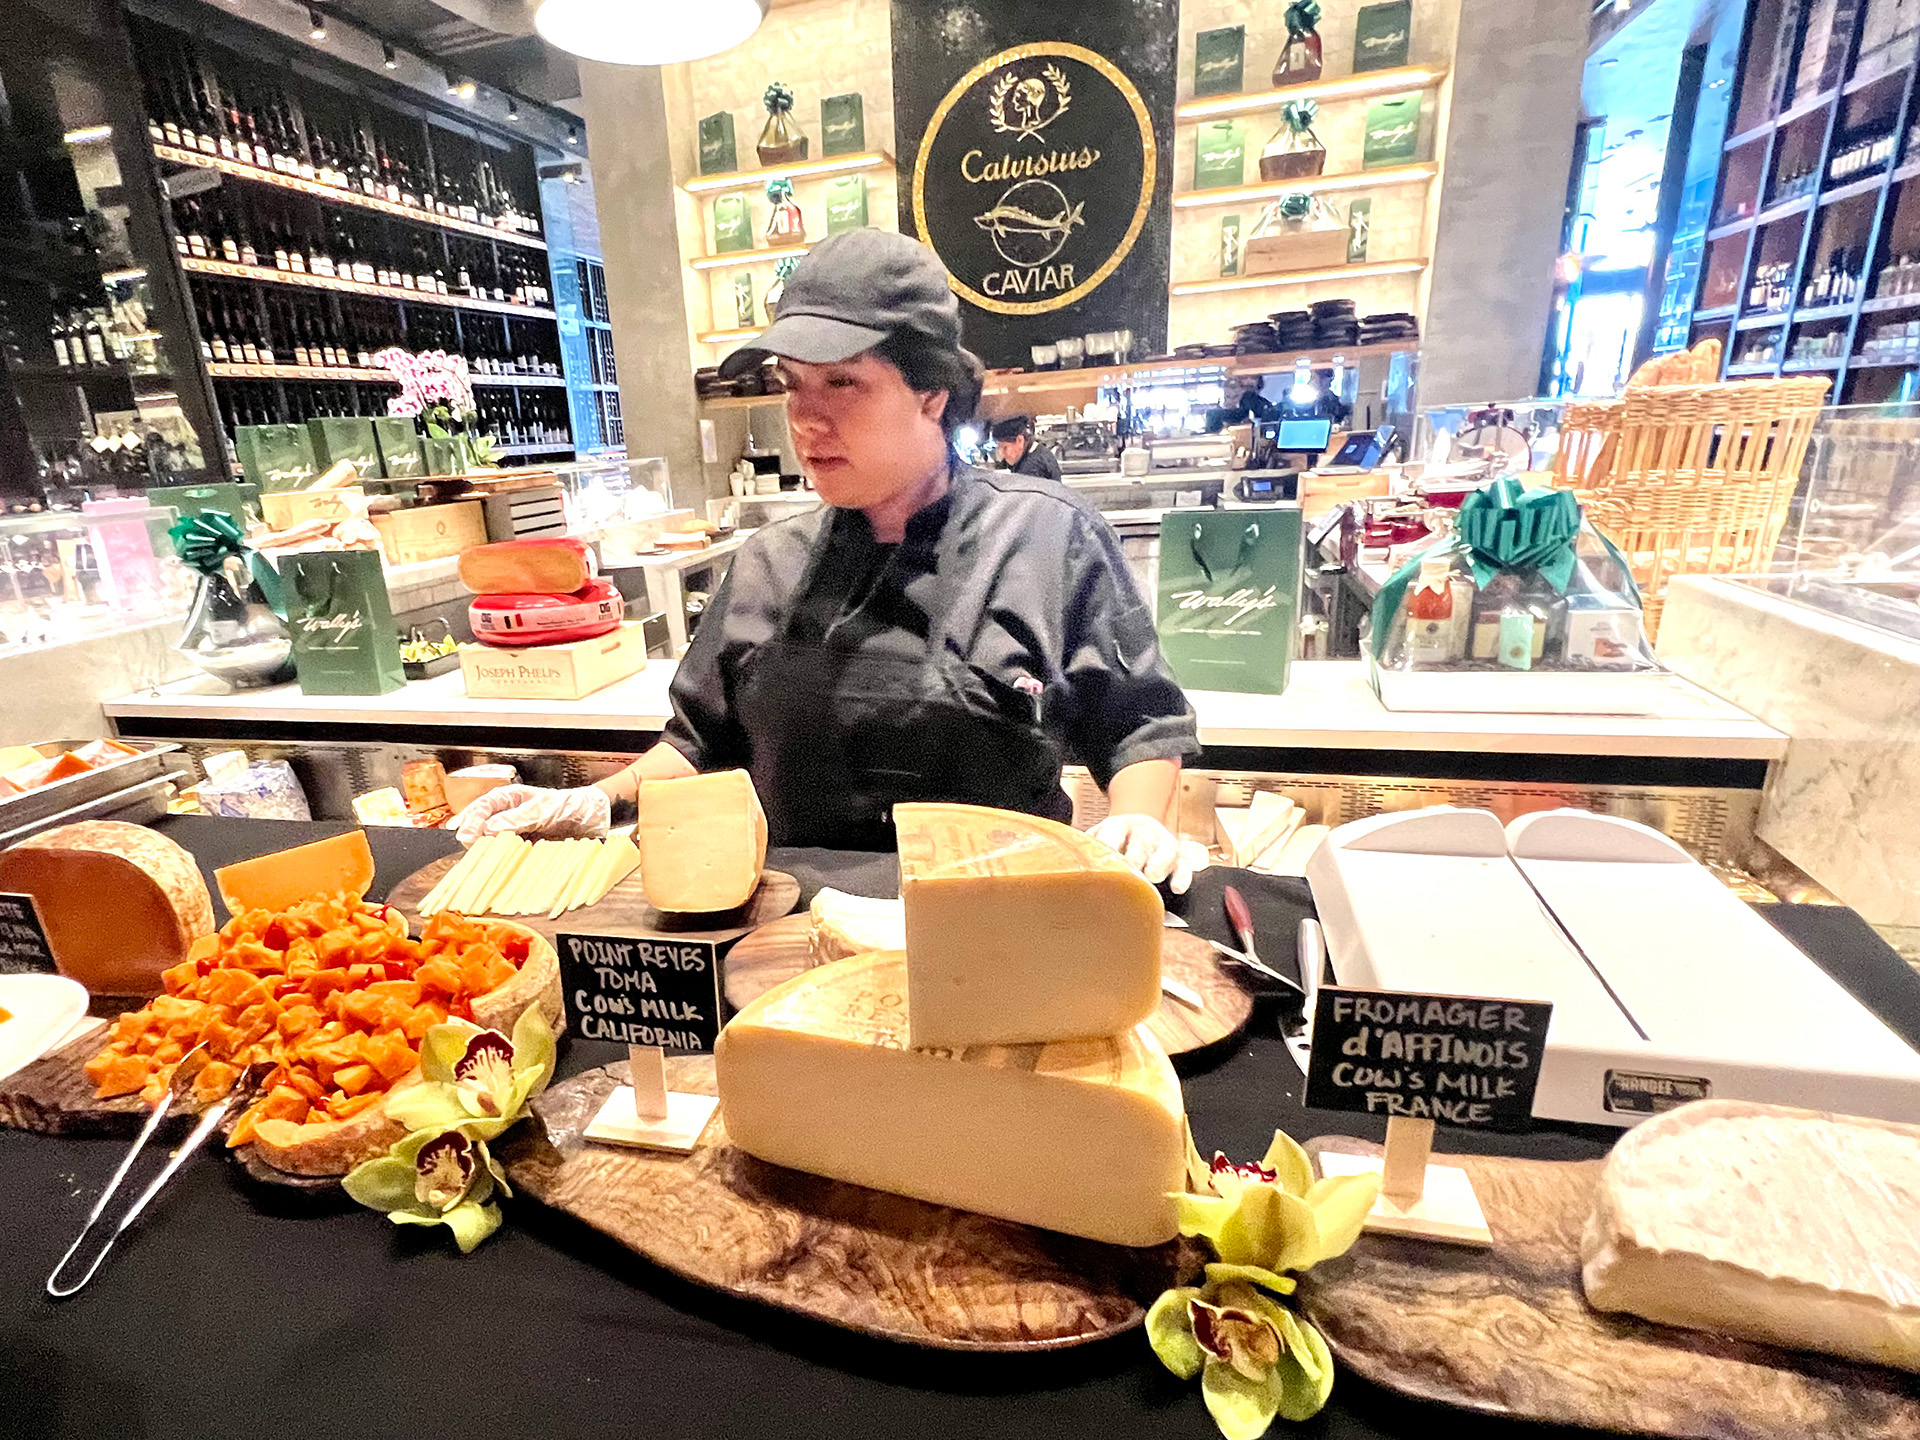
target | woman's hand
[
  {"x": 1152, "y": 849},
  {"x": 543, "y": 814}
]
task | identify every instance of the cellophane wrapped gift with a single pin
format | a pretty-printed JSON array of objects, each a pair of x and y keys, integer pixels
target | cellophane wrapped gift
[
  {"x": 265, "y": 790},
  {"x": 1524, "y": 583},
  {"x": 1295, "y": 151}
]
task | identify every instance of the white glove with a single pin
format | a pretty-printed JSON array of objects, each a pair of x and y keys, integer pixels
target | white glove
[
  {"x": 544, "y": 814},
  {"x": 1152, "y": 849}
]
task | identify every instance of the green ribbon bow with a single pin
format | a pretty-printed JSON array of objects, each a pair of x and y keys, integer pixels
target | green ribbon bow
[
  {"x": 778, "y": 99},
  {"x": 205, "y": 542},
  {"x": 779, "y": 190},
  {"x": 1295, "y": 205},
  {"x": 1303, "y": 18},
  {"x": 785, "y": 267},
  {"x": 1299, "y": 115}
]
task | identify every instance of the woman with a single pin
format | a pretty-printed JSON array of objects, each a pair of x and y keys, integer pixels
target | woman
[
  {"x": 931, "y": 632},
  {"x": 1014, "y": 437}
]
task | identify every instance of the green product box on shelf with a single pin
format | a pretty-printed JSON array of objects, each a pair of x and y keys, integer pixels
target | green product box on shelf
[
  {"x": 441, "y": 457},
  {"x": 843, "y": 125},
  {"x": 233, "y": 498},
  {"x": 345, "y": 437},
  {"x": 717, "y": 154},
  {"x": 401, "y": 457},
  {"x": 1220, "y": 154},
  {"x": 1230, "y": 245},
  {"x": 1393, "y": 131},
  {"x": 1359, "y": 226},
  {"x": 1219, "y": 59},
  {"x": 1380, "y": 35},
  {"x": 344, "y": 642},
  {"x": 1229, "y": 597},
  {"x": 275, "y": 457},
  {"x": 846, "y": 204},
  {"x": 732, "y": 224}
]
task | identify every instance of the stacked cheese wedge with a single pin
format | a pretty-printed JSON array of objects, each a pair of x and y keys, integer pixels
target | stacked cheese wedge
[
  {"x": 999, "y": 1063},
  {"x": 508, "y": 875},
  {"x": 1269, "y": 835}
]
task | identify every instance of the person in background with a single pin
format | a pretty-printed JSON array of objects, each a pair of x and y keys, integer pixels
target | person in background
[
  {"x": 931, "y": 632},
  {"x": 1018, "y": 453}
]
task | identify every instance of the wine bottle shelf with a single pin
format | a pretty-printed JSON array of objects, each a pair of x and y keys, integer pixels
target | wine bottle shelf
[
  {"x": 227, "y": 370},
  {"x": 269, "y": 275},
  {"x": 531, "y": 382},
  {"x": 342, "y": 196}
]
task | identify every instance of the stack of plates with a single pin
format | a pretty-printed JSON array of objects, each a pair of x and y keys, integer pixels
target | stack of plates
[
  {"x": 1334, "y": 323},
  {"x": 1254, "y": 339},
  {"x": 1293, "y": 329},
  {"x": 1388, "y": 328}
]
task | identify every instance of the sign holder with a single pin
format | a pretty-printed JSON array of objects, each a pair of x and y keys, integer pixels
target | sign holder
[
  {"x": 1470, "y": 1061},
  {"x": 653, "y": 993}
]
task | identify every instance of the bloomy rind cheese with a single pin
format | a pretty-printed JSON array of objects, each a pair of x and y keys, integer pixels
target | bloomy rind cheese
[
  {"x": 337, "y": 865},
  {"x": 1785, "y": 1226},
  {"x": 1084, "y": 1137},
  {"x": 1021, "y": 930},
  {"x": 120, "y": 902},
  {"x": 702, "y": 842}
]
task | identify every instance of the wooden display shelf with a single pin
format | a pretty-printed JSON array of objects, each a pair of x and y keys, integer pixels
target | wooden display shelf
[
  {"x": 1890, "y": 302},
  {"x": 736, "y": 258},
  {"x": 566, "y": 449},
  {"x": 799, "y": 170},
  {"x": 1801, "y": 367},
  {"x": 269, "y": 275},
  {"x": 1362, "y": 83},
  {"x": 1009, "y": 382},
  {"x": 1786, "y": 209},
  {"x": 1762, "y": 320},
  {"x": 1786, "y": 117},
  {"x": 1757, "y": 367},
  {"x": 530, "y": 382},
  {"x": 1357, "y": 270},
  {"x": 1714, "y": 313},
  {"x": 1822, "y": 312},
  {"x": 343, "y": 197},
  {"x": 1418, "y": 173},
  {"x": 1865, "y": 185},
  {"x": 229, "y": 370},
  {"x": 1732, "y": 227}
]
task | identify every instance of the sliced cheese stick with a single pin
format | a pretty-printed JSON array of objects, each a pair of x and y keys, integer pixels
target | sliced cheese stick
[
  {"x": 622, "y": 862},
  {"x": 487, "y": 853},
  {"x": 587, "y": 876},
  {"x": 538, "y": 894},
  {"x": 1266, "y": 817},
  {"x": 485, "y": 896},
  {"x": 581, "y": 856},
  {"x": 510, "y": 900}
]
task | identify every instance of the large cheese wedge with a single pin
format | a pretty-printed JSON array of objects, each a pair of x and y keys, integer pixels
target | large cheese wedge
[
  {"x": 840, "y": 925},
  {"x": 339, "y": 864},
  {"x": 1021, "y": 930},
  {"x": 1083, "y": 1137},
  {"x": 551, "y": 564},
  {"x": 703, "y": 842},
  {"x": 119, "y": 902},
  {"x": 1786, "y": 1226}
]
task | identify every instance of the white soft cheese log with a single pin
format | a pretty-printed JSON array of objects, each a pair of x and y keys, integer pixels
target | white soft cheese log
[
  {"x": 1020, "y": 930},
  {"x": 1084, "y": 1136},
  {"x": 1786, "y": 1226},
  {"x": 703, "y": 842}
]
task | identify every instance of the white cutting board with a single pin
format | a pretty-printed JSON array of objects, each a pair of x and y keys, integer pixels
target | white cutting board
[{"x": 41, "y": 1010}]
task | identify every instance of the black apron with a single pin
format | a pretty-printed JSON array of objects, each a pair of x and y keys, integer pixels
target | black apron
[{"x": 843, "y": 731}]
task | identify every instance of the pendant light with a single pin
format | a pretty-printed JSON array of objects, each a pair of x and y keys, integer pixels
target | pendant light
[{"x": 647, "y": 32}]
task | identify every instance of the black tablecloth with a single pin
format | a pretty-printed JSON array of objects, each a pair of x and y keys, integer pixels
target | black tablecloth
[{"x": 225, "y": 1313}]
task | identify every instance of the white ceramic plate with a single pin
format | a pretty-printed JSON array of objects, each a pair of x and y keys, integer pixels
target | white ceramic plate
[{"x": 40, "y": 1010}]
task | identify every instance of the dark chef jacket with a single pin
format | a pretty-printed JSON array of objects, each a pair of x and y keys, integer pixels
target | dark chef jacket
[
  {"x": 1001, "y": 637},
  {"x": 1038, "y": 460}
]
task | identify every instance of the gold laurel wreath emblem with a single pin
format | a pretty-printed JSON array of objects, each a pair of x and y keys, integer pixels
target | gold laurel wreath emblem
[{"x": 1030, "y": 127}]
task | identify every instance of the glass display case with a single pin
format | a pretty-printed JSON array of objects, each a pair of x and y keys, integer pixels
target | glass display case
[
  {"x": 68, "y": 575},
  {"x": 609, "y": 491}
]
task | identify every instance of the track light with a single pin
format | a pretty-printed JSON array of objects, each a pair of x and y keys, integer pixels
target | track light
[
  {"x": 319, "y": 23},
  {"x": 573, "y": 134},
  {"x": 387, "y": 56},
  {"x": 513, "y": 108},
  {"x": 466, "y": 89}
]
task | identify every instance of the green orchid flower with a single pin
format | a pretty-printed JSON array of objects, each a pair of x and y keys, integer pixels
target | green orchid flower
[
  {"x": 1257, "y": 1360},
  {"x": 434, "y": 1179},
  {"x": 477, "y": 1080}
]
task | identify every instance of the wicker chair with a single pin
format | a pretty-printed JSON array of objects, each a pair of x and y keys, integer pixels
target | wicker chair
[{"x": 1690, "y": 479}]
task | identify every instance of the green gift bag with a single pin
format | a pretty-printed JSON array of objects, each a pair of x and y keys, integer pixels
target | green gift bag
[
  {"x": 1229, "y": 597},
  {"x": 442, "y": 457},
  {"x": 344, "y": 642},
  {"x": 732, "y": 225},
  {"x": 1219, "y": 58},
  {"x": 1219, "y": 155},
  {"x": 716, "y": 144},
  {"x": 345, "y": 437},
  {"x": 1380, "y": 35},
  {"x": 846, "y": 204},
  {"x": 1393, "y": 132},
  {"x": 275, "y": 457},
  {"x": 843, "y": 125},
  {"x": 401, "y": 457}
]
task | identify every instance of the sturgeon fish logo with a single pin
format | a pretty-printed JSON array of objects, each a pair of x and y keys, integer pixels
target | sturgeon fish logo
[{"x": 1031, "y": 222}]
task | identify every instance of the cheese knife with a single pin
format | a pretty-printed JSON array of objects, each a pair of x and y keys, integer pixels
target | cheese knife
[{"x": 1241, "y": 918}]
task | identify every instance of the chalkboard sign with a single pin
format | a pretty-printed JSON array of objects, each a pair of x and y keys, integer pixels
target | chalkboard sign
[
  {"x": 1457, "y": 1059},
  {"x": 23, "y": 939},
  {"x": 642, "y": 990}
]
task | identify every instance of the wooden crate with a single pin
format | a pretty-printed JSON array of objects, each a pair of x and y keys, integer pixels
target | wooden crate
[
  {"x": 430, "y": 532},
  {"x": 1294, "y": 250},
  {"x": 285, "y": 508},
  {"x": 554, "y": 672}
]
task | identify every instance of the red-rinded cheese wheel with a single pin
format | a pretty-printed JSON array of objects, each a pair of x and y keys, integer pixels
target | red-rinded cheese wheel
[
  {"x": 553, "y": 565},
  {"x": 119, "y": 902},
  {"x": 513, "y": 620}
]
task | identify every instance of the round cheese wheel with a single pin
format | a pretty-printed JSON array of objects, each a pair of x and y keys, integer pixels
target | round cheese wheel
[
  {"x": 119, "y": 903},
  {"x": 512, "y": 620},
  {"x": 545, "y": 564}
]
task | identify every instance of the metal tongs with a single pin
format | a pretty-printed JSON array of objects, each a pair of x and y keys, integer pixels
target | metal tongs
[{"x": 245, "y": 1086}]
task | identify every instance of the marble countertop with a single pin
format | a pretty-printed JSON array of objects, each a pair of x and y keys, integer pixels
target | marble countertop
[{"x": 1327, "y": 705}]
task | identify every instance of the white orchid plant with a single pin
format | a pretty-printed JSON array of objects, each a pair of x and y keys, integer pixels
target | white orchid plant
[
  {"x": 1256, "y": 1359},
  {"x": 435, "y": 387},
  {"x": 477, "y": 1084}
]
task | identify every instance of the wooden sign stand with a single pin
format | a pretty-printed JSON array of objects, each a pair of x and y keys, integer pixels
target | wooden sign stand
[
  {"x": 1418, "y": 1200},
  {"x": 646, "y": 1114}
]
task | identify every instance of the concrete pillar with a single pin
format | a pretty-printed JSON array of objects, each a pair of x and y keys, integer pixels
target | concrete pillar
[
  {"x": 635, "y": 195},
  {"x": 1509, "y": 143}
]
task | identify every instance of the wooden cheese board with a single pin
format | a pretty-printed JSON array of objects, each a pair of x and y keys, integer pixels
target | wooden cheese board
[
  {"x": 1506, "y": 1331},
  {"x": 624, "y": 909},
  {"x": 777, "y": 951},
  {"x": 879, "y": 1264}
]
